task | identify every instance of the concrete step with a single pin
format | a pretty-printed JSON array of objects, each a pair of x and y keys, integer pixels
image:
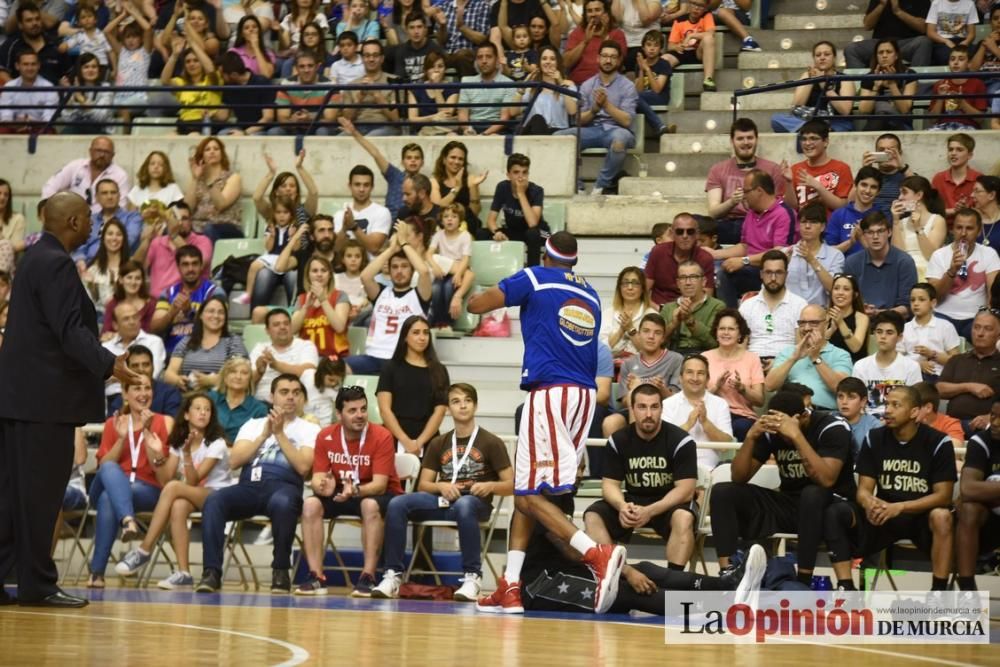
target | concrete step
[
  {"x": 773, "y": 101},
  {"x": 507, "y": 371},
  {"x": 591, "y": 245},
  {"x": 591, "y": 215},
  {"x": 779, "y": 7},
  {"x": 594, "y": 264},
  {"x": 472, "y": 349},
  {"x": 815, "y": 21},
  {"x": 666, "y": 187},
  {"x": 775, "y": 41},
  {"x": 799, "y": 59},
  {"x": 731, "y": 79},
  {"x": 700, "y": 122}
]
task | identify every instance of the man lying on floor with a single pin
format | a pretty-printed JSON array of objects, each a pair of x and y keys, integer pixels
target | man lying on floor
[{"x": 555, "y": 579}]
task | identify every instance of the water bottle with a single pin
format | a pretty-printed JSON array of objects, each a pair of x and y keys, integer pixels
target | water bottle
[
  {"x": 385, "y": 8},
  {"x": 963, "y": 271}
]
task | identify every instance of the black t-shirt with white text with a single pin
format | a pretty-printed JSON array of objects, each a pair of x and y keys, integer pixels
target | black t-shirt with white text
[
  {"x": 513, "y": 215},
  {"x": 650, "y": 467},
  {"x": 829, "y": 434},
  {"x": 906, "y": 470},
  {"x": 983, "y": 453}
]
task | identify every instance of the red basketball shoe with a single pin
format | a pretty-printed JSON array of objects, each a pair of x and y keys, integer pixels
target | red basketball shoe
[{"x": 506, "y": 599}]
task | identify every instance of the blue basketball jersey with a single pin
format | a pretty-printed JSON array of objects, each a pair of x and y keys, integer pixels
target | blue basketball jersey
[{"x": 560, "y": 322}]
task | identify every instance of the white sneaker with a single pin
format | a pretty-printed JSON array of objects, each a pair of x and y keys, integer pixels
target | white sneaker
[
  {"x": 469, "y": 590},
  {"x": 388, "y": 588},
  {"x": 175, "y": 580},
  {"x": 748, "y": 590}
]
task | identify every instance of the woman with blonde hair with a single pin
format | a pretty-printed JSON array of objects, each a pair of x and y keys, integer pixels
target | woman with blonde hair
[
  {"x": 620, "y": 321},
  {"x": 234, "y": 401}
]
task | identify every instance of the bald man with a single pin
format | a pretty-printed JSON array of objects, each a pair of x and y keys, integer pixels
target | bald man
[
  {"x": 54, "y": 369},
  {"x": 83, "y": 174}
]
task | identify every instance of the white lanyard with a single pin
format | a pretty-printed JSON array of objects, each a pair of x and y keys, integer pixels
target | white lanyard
[
  {"x": 347, "y": 453},
  {"x": 134, "y": 448},
  {"x": 456, "y": 467}
]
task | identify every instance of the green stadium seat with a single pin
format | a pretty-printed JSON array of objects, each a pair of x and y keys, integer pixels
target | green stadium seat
[
  {"x": 253, "y": 334},
  {"x": 357, "y": 338},
  {"x": 369, "y": 383},
  {"x": 492, "y": 261},
  {"x": 248, "y": 218},
  {"x": 555, "y": 215},
  {"x": 226, "y": 248}
]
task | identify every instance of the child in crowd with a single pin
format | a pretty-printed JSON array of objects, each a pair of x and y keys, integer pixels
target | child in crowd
[
  {"x": 887, "y": 368},
  {"x": 130, "y": 59},
  {"x": 652, "y": 79},
  {"x": 279, "y": 232},
  {"x": 522, "y": 60},
  {"x": 349, "y": 67},
  {"x": 661, "y": 233},
  {"x": 958, "y": 61},
  {"x": 951, "y": 23},
  {"x": 353, "y": 262},
  {"x": 359, "y": 21},
  {"x": 930, "y": 401},
  {"x": 692, "y": 42},
  {"x": 852, "y": 398},
  {"x": 928, "y": 340},
  {"x": 448, "y": 257},
  {"x": 955, "y": 183},
  {"x": 323, "y": 383},
  {"x": 842, "y": 230},
  {"x": 735, "y": 15},
  {"x": 85, "y": 37}
]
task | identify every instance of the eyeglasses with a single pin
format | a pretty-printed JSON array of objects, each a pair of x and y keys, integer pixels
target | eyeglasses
[
  {"x": 878, "y": 231},
  {"x": 690, "y": 231},
  {"x": 631, "y": 283},
  {"x": 684, "y": 279},
  {"x": 849, "y": 276},
  {"x": 986, "y": 309},
  {"x": 769, "y": 322}
]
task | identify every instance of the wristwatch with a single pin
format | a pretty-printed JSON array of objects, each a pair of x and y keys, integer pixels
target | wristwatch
[
  {"x": 746, "y": 261},
  {"x": 631, "y": 332},
  {"x": 818, "y": 361}
]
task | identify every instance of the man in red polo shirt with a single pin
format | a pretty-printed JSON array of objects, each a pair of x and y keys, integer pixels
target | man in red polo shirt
[
  {"x": 661, "y": 268},
  {"x": 955, "y": 183}
]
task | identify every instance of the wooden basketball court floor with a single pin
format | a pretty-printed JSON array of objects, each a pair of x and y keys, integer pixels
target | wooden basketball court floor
[{"x": 125, "y": 626}]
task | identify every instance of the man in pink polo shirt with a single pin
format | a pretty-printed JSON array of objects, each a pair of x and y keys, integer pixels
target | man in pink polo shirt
[
  {"x": 160, "y": 261},
  {"x": 770, "y": 223}
]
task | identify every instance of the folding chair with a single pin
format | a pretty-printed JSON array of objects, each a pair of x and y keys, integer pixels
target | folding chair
[
  {"x": 68, "y": 517},
  {"x": 236, "y": 552}
]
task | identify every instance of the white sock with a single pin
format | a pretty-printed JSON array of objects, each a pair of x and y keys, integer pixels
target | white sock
[
  {"x": 582, "y": 542},
  {"x": 515, "y": 561},
  {"x": 142, "y": 551}
]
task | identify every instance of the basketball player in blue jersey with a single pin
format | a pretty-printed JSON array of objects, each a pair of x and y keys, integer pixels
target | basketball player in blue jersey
[{"x": 560, "y": 318}]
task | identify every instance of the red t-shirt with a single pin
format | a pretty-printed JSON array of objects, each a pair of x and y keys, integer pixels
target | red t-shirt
[
  {"x": 955, "y": 196},
  {"x": 316, "y": 327},
  {"x": 967, "y": 87},
  {"x": 586, "y": 66},
  {"x": 377, "y": 458},
  {"x": 143, "y": 469},
  {"x": 834, "y": 175}
]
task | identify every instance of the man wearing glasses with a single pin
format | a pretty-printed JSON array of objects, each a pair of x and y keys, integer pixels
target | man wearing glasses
[
  {"x": 819, "y": 176},
  {"x": 772, "y": 313},
  {"x": 811, "y": 361},
  {"x": 971, "y": 380},
  {"x": 770, "y": 223},
  {"x": 885, "y": 273},
  {"x": 373, "y": 120},
  {"x": 607, "y": 106},
  {"x": 690, "y": 318},
  {"x": 662, "y": 267},
  {"x": 81, "y": 175}
]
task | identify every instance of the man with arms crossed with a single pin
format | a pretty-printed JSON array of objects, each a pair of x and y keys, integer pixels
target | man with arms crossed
[{"x": 562, "y": 312}]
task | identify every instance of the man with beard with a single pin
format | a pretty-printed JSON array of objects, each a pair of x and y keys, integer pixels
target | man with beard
[
  {"x": 362, "y": 219},
  {"x": 724, "y": 184},
  {"x": 773, "y": 313},
  {"x": 161, "y": 263},
  {"x": 179, "y": 303},
  {"x": 607, "y": 106},
  {"x": 316, "y": 238},
  {"x": 770, "y": 223},
  {"x": 812, "y": 361},
  {"x": 485, "y": 119},
  {"x": 31, "y": 36},
  {"x": 81, "y": 175}
]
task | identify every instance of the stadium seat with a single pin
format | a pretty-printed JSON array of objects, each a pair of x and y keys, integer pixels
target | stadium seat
[
  {"x": 249, "y": 219},
  {"x": 555, "y": 216},
  {"x": 253, "y": 334},
  {"x": 492, "y": 261},
  {"x": 226, "y": 248},
  {"x": 357, "y": 338}
]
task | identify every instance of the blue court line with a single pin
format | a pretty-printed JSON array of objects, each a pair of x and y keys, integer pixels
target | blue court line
[{"x": 335, "y": 602}]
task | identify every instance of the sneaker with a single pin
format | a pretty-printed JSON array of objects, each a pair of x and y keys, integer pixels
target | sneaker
[
  {"x": 312, "y": 586},
  {"x": 211, "y": 582},
  {"x": 176, "y": 580},
  {"x": 469, "y": 590},
  {"x": 708, "y": 85},
  {"x": 244, "y": 299},
  {"x": 605, "y": 561},
  {"x": 264, "y": 538},
  {"x": 506, "y": 599},
  {"x": 280, "y": 581},
  {"x": 750, "y": 44},
  {"x": 131, "y": 563},
  {"x": 596, "y": 191},
  {"x": 670, "y": 128},
  {"x": 388, "y": 588},
  {"x": 363, "y": 589},
  {"x": 748, "y": 590}
]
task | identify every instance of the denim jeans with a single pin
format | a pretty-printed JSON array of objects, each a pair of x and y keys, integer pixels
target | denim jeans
[
  {"x": 644, "y": 105},
  {"x": 223, "y": 230},
  {"x": 467, "y": 512},
  {"x": 73, "y": 499},
  {"x": 116, "y": 498},
  {"x": 267, "y": 281},
  {"x": 604, "y": 136},
  {"x": 279, "y": 500},
  {"x": 442, "y": 292}
]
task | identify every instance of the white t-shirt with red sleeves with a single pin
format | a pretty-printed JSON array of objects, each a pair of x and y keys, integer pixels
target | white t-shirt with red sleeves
[{"x": 966, "y": 295}]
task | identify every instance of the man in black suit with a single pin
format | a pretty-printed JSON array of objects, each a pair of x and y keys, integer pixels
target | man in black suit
[{"x": 53, "y": 369}]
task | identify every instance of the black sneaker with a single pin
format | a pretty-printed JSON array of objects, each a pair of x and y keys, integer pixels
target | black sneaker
[
  {"x": 280, "y": 581},
  {"x": 363, "y": 589},
  {"x": 211, "y": 582}
]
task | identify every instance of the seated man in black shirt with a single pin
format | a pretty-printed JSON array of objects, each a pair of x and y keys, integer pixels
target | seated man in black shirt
[
  {"x": 658, "y": 463},
  {"x": 251, "y": 109},
  {"x": 521, "y": 202},
  {"x": 408, "y": 57},
  {"x": 556, "y": 580},
  {"x": 812, "y": 449},
  {"x": 906, "y": 475},
  {"x": 978, "y": 528}
]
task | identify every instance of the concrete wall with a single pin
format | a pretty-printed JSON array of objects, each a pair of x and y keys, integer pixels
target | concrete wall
[{"x": 328, "y": 159}]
